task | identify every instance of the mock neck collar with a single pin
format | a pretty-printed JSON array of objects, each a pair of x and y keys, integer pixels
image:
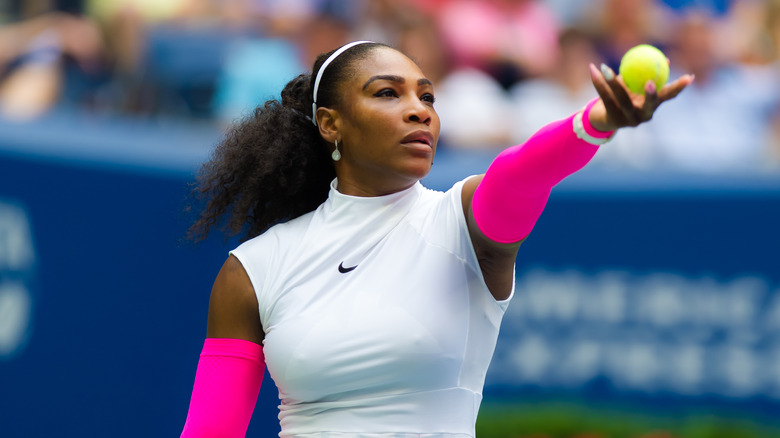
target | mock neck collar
[
  {"x": 363, "y": 207},
  {"x": 340, "y": 198}
]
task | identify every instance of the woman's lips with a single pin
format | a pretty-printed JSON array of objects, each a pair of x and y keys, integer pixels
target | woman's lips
[{"x": 420, "y": 137}]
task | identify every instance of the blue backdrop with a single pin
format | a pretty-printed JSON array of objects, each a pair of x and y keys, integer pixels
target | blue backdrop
[{"x": 651, "y": 286}]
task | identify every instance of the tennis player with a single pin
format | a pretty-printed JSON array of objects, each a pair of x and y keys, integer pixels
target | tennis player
[{"x": 374, "y": 302}]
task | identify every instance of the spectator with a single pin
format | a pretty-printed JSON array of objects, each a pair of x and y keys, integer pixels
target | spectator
[
  {"x": 35, "y": 55},
  {"x": 166, "y": 55},
  {"x": 766, "y": 20},
  {"x": 746, "y": 32},
  {"x": 618, "y": 25},
  {"x": 564, "y": 91},
  {"x": 509, "y": 39},
  {"x": 723, "y": 123},
  {"x": 256, "y": 69},
  {"x": 382, "y": 20}
]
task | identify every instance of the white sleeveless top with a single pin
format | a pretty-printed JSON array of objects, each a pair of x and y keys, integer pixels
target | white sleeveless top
[{"x": 377, "y": 319}]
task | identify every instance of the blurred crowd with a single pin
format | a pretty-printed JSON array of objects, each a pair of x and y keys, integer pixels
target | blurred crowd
[{"x": 502, "y": 68}]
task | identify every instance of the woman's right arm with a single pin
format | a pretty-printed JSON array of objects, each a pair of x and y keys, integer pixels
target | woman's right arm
[
  {"x": 231, "y": 366},
  {"x": 502, "y": 206},
  {"x": 233, "y": 311}
]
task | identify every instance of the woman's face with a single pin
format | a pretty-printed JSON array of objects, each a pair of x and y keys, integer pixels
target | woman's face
[{"x": 387, "y": 127}]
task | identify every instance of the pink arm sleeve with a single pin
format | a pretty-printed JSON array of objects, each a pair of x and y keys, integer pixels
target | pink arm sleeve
[
  {"x": 514, "y": 191},
  {"x": 227, "y": 383}
]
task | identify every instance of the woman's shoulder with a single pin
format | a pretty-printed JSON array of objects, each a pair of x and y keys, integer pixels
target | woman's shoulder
[
  {"x": 433, "y": 197},
  {"x": 440, "y": 213},
  {"x": 284, "y": 235},
  {"x": 268, "y": 252}
]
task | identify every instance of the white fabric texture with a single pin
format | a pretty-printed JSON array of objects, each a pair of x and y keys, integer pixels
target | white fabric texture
[{"x": 396, "y": 347}]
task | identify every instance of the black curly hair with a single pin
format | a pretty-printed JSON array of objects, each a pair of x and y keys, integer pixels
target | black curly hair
[{"x": 273, "y": 165}]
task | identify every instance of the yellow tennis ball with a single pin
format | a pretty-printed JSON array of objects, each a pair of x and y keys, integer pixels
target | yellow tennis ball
[{"x": 642, "y": 63}]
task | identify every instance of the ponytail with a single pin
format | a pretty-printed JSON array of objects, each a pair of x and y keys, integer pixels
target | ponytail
[{"x": 271, "y": 167}]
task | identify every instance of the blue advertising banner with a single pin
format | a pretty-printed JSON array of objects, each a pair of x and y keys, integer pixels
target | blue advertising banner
[{"x": 652, "y": 286}]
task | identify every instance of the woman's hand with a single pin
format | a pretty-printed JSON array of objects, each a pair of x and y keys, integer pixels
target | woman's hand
[{"x": 619, "y": 107}]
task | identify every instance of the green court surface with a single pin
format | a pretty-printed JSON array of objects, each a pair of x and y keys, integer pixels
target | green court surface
[{"x": 578, "y": 420}]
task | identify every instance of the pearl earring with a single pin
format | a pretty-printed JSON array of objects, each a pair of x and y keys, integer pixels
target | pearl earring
[{"x": 336, "y": 155}]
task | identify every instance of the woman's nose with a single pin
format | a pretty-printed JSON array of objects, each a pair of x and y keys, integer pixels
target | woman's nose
[{"x": 419, "y": 112}]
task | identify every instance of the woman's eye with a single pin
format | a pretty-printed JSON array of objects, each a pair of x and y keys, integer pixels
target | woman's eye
[
  {"x": 387, "y": 92},
  {"x": 428, "y": 97}
]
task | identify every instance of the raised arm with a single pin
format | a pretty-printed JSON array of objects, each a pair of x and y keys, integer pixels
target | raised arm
[
  {"x": 231, "y": 366},
  {"x": 502, "y": 206}
]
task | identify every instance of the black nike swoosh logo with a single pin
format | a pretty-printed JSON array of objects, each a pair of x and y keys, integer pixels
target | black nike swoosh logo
[{"x": 344, "y": 270}]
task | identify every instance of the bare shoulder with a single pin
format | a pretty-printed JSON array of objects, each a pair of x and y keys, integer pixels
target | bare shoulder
[{"x": 233, "y": 311}]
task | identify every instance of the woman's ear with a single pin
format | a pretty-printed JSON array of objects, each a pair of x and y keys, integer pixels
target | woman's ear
[{"x": 329, "y": 122}]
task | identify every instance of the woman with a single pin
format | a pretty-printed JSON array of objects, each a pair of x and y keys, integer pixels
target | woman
[{"x": 374, "y": 302}]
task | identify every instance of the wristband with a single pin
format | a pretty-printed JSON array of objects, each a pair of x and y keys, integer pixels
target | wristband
[{"x": 585, "y": 131}]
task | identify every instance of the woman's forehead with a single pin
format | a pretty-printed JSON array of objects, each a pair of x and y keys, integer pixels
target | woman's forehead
[{"x": 386, "y": 61}]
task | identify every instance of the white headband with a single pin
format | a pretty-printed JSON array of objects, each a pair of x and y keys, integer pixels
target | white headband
[{"x": 335, "y": 55}]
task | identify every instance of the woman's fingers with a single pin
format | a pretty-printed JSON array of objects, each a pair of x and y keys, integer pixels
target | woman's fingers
[
  {"x": 607, "y": 97},
  {"x": 671, "y": 90},
  {"x": 600, "y": 83},
  {"x": 625, "y": 108},
  {"x": 652, "y": 100},
  {"x": 618, "y": 87}
]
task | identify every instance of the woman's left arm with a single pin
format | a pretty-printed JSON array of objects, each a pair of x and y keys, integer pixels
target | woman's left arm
[{"x": 502, "y": 206}]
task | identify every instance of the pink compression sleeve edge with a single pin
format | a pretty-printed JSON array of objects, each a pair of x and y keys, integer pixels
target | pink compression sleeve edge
[
  {"x": 227, "y": 384},
  {"x": 588, "y": 127},
  {"x": 514, "y": 191}
]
